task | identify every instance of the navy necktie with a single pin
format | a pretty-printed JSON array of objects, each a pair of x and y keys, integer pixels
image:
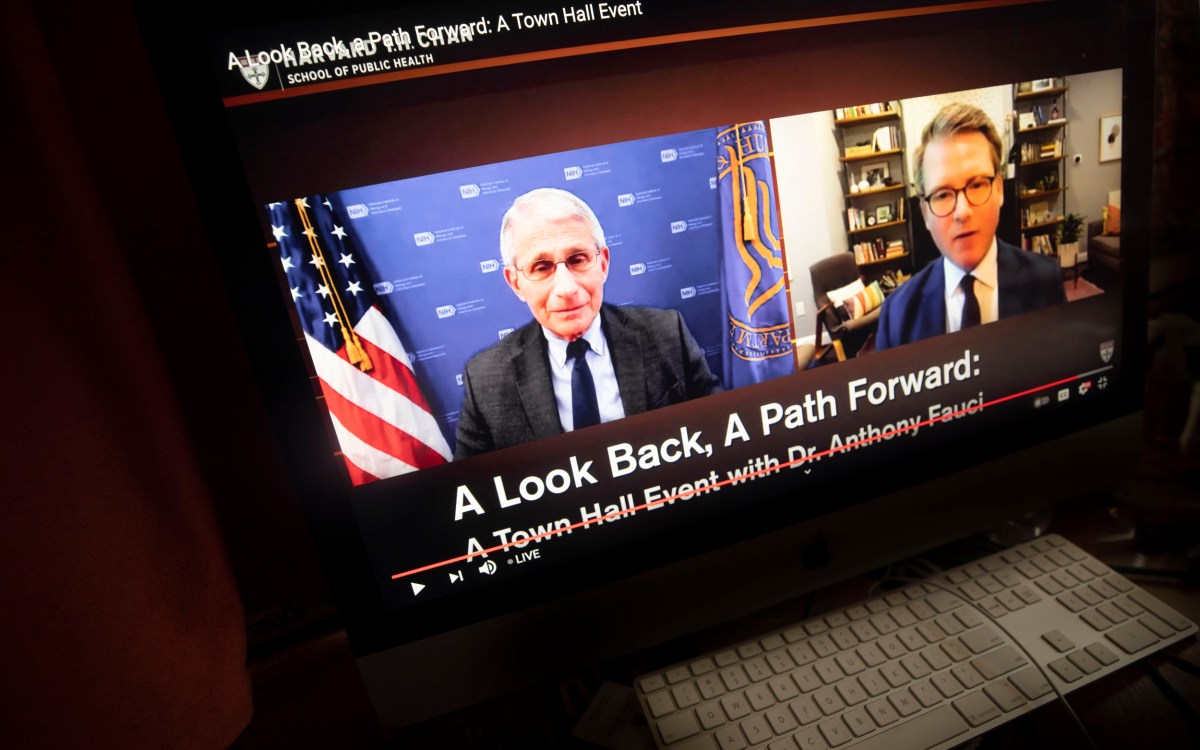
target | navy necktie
[
  {"x": 970, "y": 313},
  {"x": 585, "y": 411}
]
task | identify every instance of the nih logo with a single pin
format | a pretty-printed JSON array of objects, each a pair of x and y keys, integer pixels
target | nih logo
[
  {"x": 637, "y": 269},
  {"x": 504, "y": 332},
  {"x": 469, "y": 191},
  {"x": 489, "y": 266},
  {"x": 446, "y": 311},
  {"x": 668, "y": 154},
  {"x": 423, "y": 238},
  {"x": 687, "y": 292},
  {"x": 458, "y": 379},
  {"x": 384, "y": 287},
  {"x": 572, "y": 173},
  {"x": 357, "y": 211},
  {"x": 625, "y": 199},
  {"x": 678, "y": 226}
]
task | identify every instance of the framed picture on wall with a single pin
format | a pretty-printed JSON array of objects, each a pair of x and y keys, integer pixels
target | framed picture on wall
[
  {"x": 1110, "y": 138},
  {"x": 876, "y": 173}
]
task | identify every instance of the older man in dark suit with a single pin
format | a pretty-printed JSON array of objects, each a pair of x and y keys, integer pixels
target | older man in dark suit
[
  {"x": 579, "y": 362},
  {"x": 980, "y": 278}
]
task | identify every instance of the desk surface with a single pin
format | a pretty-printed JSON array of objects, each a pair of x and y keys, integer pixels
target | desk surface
[{"x": 311, "y": 695}]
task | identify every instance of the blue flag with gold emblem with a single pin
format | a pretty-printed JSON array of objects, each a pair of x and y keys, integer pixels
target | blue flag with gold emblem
[{"x": 758, "y": 335}]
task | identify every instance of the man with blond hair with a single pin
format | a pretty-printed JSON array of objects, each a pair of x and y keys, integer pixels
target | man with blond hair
[{"x": 979, "y": 278}]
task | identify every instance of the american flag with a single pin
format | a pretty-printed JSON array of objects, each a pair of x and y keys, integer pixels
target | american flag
[{"x": 383, "y": 423}]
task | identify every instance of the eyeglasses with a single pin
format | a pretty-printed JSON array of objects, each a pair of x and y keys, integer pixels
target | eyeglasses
[
  {"x": 943, "y": 201},
  {"x": 543, "y": 268}
]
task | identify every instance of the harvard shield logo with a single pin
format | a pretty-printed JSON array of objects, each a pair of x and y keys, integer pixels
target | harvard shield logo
[
  {"x": 255, "y": 73},
  {"x": 1106, "y": 351}
]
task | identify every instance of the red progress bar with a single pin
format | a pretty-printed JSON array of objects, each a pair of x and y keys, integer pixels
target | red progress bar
[{"x": 789, "y": 464}]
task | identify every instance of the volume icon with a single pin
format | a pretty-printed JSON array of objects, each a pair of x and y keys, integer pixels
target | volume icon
[{"x": 488, "y": 567}]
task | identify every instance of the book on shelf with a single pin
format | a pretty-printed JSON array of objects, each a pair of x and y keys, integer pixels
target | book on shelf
[{"x": 862, "y": 110}]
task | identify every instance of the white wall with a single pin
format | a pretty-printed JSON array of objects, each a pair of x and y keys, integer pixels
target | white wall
[
  {"x": 1089, "y": 97},
  {"x": 810, "y": 201}
]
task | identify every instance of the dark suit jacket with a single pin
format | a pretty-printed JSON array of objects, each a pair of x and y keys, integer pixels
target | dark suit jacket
[
  {"x": 508, "y": 398},
  {"x": 917, "y": 309}
]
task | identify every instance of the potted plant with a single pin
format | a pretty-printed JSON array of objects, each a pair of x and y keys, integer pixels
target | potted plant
[{"x": 1068, "y": 239}]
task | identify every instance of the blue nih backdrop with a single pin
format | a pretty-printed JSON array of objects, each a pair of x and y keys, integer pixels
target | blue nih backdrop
[{"x": 431, "y": 247}]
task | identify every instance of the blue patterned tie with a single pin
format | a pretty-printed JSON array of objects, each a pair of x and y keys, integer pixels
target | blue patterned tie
[{"x": 584, "y": 410}]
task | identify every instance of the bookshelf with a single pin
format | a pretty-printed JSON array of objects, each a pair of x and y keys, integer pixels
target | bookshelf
[
  {"x": 870, "y": 139},
  {"x": 1039, "y": 157}
]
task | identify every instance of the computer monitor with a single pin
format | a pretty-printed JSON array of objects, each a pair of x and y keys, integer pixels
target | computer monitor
[{"x": 354, "y": 171}]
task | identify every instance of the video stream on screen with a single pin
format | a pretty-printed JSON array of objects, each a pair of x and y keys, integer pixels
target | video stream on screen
[{"x": 777, "y": 241}]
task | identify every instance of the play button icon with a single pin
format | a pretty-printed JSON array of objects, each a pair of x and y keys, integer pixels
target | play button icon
[{"x": 417, "y": 588}]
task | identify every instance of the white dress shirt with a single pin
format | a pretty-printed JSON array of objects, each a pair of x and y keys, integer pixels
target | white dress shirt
[
  {"x": 987, "y": 290},
  {"x": 599, "y": 360}
]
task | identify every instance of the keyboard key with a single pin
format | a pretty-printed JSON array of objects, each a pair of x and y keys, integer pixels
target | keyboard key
[
  {"x": 1065, "y": 669},
  {"x": 685, "y": 695},
  {"x": 734, "y": 677},
  {"x": 949, "y": 624},
  {"x": 998, "y": 662},
  {"x": 936, "y": 658},
  {"x": 859, "y": 722},
  {"x": 1005, "y": 696},
  {"x": 711, "y": 715},
  {"x": 1119, "y": 583},
  {"x": 990, "y": 585},
  {"x": 884, "y": 623},
  {"x": 1082, "y": 573},
  {"x": 703, "y": 666},
  {"x": 912, "y": 639},
  {"x": 677, "y": 675},
  {"x": 1089, "y": 597},
  {"x": 813, "y": 627},
  {"x": 829, "y": 671},
  {"x": 828, "y": 701},
  {"x": 1072, "y": 602},
  {"x": 991, "y": 564},
  {"x": 1010, "y": 601},
  {"x": 756, "y": 729},
  {"x": 1008, "y": 577},
  {"x": 730, "y": 738},
  {"x": 851, "y": 692},
  {"x": 843, "y": 638},
  {"x": 660, "y": 703},
  {"x": 822, "y": 645},
  {"x": 925, "y": 693},
  {"x": 835, "y": 732},
  {"x": 1128, "y": 606},
  {"x": 882, "y": 713},
  {"x": 1059, "y": 558},
  {"x": 780, "y": 719},
  {"x": 1026, "y": 594},
  {"x": 968, "y": 617},
  {"x": 1084, "y": 662},
  {"x": 805, "y": 711},
  {"x": 678, "y": 727},
  {"x": 981, "y": 639},
  {"x": 1058, "y": 641},
  {"x": 710, "y": 686},
  {"x": 864, "y": 631},
  {"x": 780, "y": 662},
  {"x": 652, "y": 682},
  {"x": 967, "y": 676},
  {"x": 1104, "y": 588},
  {"x": 972, "y": 591},
  {"x": 802, "y": 653},
  {"x": 994, "y": 608},
  {"x": 921, "y": 610},
  {"x": 1031, "y": 682},
  {"x": 974, "y": 570},
  {"x": 725, "y": 658},
  {"x": 955, "y": 650},
  {"x": 876, "y": 605},
  {"x": 760, "y": 697},
  {"x": 1096, "y": 620},
  {"x": 783, "y": 688},
  {"x": 810, "y": 739},
  {"x": 946, "y": 685},
  {"x": 894, "y": 674},
  {"x": 904, "y": 702},
  {"x": 976, "y": 708},
  {"x": 1160, "y": 628},
  {"x": 806, "y": 679},
  {"x": 1164, "y": 613},
  {"x": 1102, "y": 653},
  {"x": 850, "y": 663},
  {"x": 772, "y": 642},
  {"x": 871, "y": 655},
  {"x": 873, "y": 683},
  {"x": 758, "y": 669},
  {"x": 747, "y": 650},
  {"x": 1112, "y": 613},
  {"x": 931, "y": 632},
  {"x": 791, "y": 635},
  {"x": 921, "y": 732},
  {"x": 857, "y": 612},
  {"x": 1049, "y": 585},
  {"x": 915, "y": 666},
  {"x": 735, "y": 706},
  {"x": 903, "y": 617}
]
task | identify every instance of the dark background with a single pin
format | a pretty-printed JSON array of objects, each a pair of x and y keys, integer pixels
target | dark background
[{"x": 137, "y": 541}]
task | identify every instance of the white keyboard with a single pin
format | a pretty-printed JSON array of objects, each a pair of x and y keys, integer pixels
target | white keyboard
[{"x": 928, "y": 666}]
